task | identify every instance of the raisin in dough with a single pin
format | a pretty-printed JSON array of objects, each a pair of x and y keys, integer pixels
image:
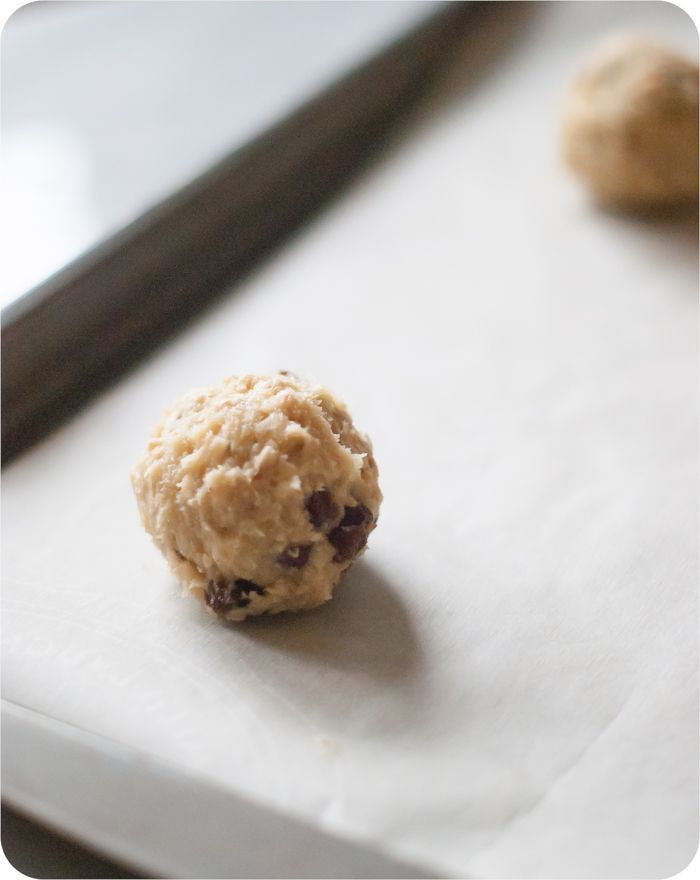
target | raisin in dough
[
  {"x": 631, "y": 125},
  {"x": 259, "y": 492}
]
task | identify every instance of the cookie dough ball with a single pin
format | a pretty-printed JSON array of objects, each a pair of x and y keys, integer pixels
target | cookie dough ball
[
  {"x": 631, "y": 125},
  {"x": 259, "y": 492}
]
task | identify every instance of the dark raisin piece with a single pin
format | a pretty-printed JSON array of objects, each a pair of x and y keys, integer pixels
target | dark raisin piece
[
  {"x": 322, "y": 509},
  {"x": 242, "y": 589},
  {"x": 218, "y": 596},
  {"x": 351, "y": 535},
  {"x": 295, "y": 556},
  {"x": 221, "y": 596},
  {"x": 355, "y": 516}
]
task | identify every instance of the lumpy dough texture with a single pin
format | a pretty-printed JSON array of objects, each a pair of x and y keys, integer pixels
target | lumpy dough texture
[
  {"x": 631, "y": 125},
  {"x": 259, "y": 492}
]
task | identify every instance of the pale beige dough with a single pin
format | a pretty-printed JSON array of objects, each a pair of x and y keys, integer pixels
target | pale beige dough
[
  {"x": 630, "y": 127},
  {"x": 259, "y": 492}
]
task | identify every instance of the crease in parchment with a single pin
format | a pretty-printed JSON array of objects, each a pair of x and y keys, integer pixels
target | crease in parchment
[{"x": 529, "y": 808}]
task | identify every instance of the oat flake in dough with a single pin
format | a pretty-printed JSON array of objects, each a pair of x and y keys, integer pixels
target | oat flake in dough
[{"x": 259, "y": 492}]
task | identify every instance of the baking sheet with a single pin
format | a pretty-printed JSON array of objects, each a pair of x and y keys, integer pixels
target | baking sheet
[
  {"x": 506, "y": 684},
  {"x": 81, "y": 153}
]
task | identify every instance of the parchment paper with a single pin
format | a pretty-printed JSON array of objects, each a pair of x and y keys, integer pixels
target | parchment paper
[{"x": 506, "y": 684}]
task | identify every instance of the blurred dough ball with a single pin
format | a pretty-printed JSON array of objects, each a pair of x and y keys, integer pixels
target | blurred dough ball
[
  {"x": 260, "y": 492},
  {"x": 631, "y": 125}
]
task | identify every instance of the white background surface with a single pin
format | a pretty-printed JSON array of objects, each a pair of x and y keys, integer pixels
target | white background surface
[{"x": 506, "y": 685}]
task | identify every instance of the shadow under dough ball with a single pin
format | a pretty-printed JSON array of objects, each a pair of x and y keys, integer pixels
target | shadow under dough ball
[
  {"x": 630, "y": 127},
  {"x": 259, "y": 492}
]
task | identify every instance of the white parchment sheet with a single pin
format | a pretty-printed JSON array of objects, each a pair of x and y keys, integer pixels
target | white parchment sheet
[{"x": 506, "y": 684}]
